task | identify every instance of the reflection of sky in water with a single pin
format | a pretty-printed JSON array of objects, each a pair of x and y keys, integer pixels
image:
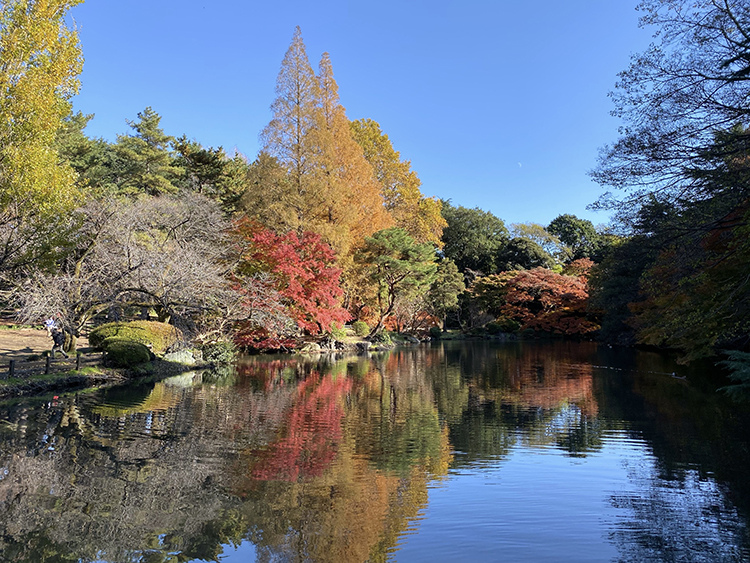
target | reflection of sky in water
[{"x": 539, "y": 505}]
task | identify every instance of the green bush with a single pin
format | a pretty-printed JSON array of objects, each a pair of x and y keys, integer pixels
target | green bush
[
  {"x": 436, "y": 332},
  {"x": 160, "y": 336},
  {"x": 123, "y": 353},
  {"x": 338, "y": 333},
  {"x": 381, "y": 338},
  {"x": 361, "y": 328},
  {"x": 224, "y": 352},
  {"x": 502, "y": 324}
]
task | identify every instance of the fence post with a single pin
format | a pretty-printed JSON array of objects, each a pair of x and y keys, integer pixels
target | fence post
[
  {"x": 12, "y": 369},
  {"x": 78, "y": 361},
  {"x": 46, "y": 366}
]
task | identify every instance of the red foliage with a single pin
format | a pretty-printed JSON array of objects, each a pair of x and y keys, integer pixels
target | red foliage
[
  {"x": 543, "y": 300},
  {"x": 304, "y": 271},
  {"x": 248, "y": 335},
  {"x": 580, "y": 268},
  {"x": 312, "y": 434}
]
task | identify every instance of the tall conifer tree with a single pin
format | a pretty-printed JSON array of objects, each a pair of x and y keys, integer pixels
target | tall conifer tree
[
  {"x": 289, "y": 135},
  {"x": 330, "y": 184},
  {"x": 147, "y": 156},
  {"x": 352, "y": 193}
]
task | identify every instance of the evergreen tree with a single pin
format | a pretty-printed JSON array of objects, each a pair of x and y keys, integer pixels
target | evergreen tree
[
  {"x": 147, "y": 157},
  {"x": 211, "y": 172},
  {"x": 578, "y": 235},
  {"x": 473, "y": 239},
  {"x": 398, "y": 266},
  {"x": 96, "y": 162}
]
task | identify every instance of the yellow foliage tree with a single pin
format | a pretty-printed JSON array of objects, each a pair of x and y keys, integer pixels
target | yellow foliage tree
[
  {"x": 399, "y": 185},
  {"x": 40, "y": 60}
]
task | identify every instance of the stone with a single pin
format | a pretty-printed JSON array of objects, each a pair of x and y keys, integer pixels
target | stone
[{"x": 184, "y": 357}]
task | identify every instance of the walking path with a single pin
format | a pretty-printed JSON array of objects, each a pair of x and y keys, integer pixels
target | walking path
[{"x": 20, "y": 343}]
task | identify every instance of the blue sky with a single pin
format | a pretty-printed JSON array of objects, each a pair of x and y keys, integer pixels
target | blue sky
[{"x": 498, "y": 104}]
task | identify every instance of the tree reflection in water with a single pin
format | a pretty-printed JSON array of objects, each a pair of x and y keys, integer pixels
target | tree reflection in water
[{"x": 332, "y": 459}]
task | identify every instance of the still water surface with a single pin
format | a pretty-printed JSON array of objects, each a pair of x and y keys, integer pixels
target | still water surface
[{"x": 448, "y": 452}]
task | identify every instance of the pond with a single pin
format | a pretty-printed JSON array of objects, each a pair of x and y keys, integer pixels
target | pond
[{"x": 533, "y": 451}]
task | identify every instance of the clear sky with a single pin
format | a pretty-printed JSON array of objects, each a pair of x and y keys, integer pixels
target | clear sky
[{"x": 498, "y": 104}]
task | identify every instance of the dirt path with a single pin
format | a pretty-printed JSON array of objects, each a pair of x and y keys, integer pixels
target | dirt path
[{"x": 20, "y": 343}]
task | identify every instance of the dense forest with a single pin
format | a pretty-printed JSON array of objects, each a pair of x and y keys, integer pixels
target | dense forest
[{"x": 328, "y": 223}]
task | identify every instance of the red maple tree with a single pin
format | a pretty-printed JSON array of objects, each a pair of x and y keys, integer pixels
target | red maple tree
[{"x": 303, "y": 269}]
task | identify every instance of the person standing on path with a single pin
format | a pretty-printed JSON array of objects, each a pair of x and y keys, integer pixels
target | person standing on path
[{"x": 58, "y": 342}]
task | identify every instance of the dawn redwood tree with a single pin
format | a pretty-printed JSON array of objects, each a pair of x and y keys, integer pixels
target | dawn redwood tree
[
  {"x": 303, "y": 269},
  {"x": 328, "y": 186},
  {"x": 265, "y": 195},
  {"x": 352, "y": 195},
  {"x": 289, "y": 137}
]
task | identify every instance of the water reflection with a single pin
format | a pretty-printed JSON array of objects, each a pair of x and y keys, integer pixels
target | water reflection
[{"x": 436, "y": 452}]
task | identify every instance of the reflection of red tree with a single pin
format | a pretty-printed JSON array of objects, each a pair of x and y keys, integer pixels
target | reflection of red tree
[
  {"x": 313, "y": 432},
  {"x": 547, "y": 377}
]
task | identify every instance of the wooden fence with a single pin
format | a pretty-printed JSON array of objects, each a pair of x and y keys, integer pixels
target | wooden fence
[{"x": 24, "y": 369}]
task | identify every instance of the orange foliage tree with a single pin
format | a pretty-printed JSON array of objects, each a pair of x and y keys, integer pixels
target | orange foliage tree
[{"x": 539, "y": 299}]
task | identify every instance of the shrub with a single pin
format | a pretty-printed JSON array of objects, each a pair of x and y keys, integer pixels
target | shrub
[
  {"x": 436, "y": 332},
  {"x": 160, "y": 336},
  {"x": 381, "y": 338},
  {"x": 361, "y": 328},
  {"x": 123, "y": 353},
  {"x": 502, "y": 324},
  {"x": 338, "y": 333},
  {"x": 220, "y": 352}
]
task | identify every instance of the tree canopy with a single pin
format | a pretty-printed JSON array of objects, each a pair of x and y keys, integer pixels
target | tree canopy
[
  {"x": 39, "y": 67},
  {"x": 691, "y": 83},
  {"x": 398, "y": 265},
  {"x": 473, "y": 238}
]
